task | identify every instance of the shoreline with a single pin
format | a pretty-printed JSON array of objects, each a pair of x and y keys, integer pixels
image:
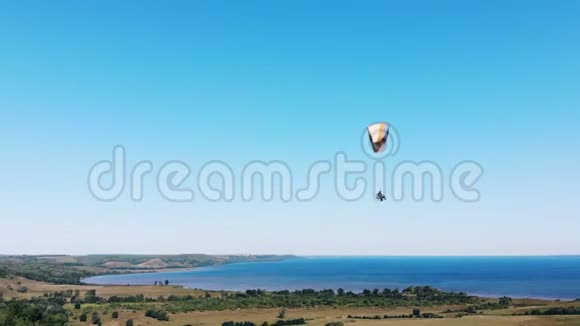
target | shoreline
[{"x": 482, "y": 295}]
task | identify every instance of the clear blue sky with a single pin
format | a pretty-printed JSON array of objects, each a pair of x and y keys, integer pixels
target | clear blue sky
[{"x": 497, "y": 82}]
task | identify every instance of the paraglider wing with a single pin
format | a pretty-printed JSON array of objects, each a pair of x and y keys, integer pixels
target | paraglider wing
[{"x": 378, "y": 134}]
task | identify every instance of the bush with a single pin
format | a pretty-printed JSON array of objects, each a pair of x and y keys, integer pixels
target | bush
[
  {"x": 238, "y": 323},
  {"x": 471, "y": 310},
  {"x": 337, "y": 323},
  {"x": 129, "y": 322},
  {"x": 77, "y": 306},
  {"x": 505, "y": 301},
  {"x": 83, "y": 317},
  {"x": 282, "y": 313},
  {"x": 157, "y": 314},
  {"x": 95, "y": 319},
  {"x": 299, "y": 321},
  {"x": 22, "y": 289},
  {"x": 115, "y": 315}
]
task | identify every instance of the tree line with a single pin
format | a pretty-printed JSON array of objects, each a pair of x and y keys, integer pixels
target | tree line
[
  {"x": 412, "y": 296},
  {"x": 298, "y": 321}
]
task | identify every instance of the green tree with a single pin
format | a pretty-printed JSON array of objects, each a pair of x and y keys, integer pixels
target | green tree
[
  {"x": 91, "y": 296},
  {"x": 505, "y": 301},
  {"x": 129, "y": 322}
]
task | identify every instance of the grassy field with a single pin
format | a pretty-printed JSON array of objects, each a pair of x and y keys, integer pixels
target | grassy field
[
  {"x": 317, "y": 316},
  {"x": 322, "y": 316}
]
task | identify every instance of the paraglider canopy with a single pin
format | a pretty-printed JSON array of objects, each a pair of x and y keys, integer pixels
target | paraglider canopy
[{"x": 378, "y": 134}]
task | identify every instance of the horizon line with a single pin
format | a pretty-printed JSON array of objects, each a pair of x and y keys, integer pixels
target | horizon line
[{"x": 297, "y": 255}]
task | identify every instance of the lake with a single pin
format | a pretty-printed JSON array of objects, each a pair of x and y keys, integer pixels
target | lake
[{"x": 549, "y": 277}]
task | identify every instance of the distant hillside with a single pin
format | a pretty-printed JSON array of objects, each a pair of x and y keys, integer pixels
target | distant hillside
[{"x": 64, "y": 269}]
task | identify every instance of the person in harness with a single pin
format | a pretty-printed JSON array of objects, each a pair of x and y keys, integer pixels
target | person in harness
[{"x": 380, "y": 196}]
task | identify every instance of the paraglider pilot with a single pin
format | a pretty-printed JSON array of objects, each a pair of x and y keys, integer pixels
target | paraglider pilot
[{"x": 380, "y": 196}]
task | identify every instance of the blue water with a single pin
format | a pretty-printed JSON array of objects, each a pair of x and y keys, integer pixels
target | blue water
[{"x": 530, "y": 277}]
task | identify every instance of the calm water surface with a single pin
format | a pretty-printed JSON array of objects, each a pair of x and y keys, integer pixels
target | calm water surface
[{"x": 534, "y": 277}]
